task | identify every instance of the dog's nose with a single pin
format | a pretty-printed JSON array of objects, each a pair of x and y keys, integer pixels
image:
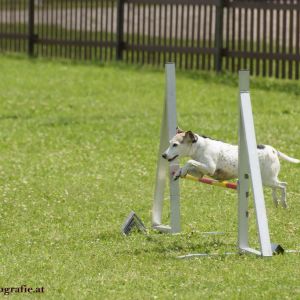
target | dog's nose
[{"x": 164, "y": 156}]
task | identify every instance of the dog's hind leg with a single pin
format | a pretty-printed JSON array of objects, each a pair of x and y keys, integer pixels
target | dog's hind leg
[
  {"x": 283, "y": 194},
  {"x": 282, "y": 187},
  {"x": 274, "y": 196}
]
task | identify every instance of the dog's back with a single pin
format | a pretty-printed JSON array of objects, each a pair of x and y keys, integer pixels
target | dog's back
[{"x": 223, "y": 155}]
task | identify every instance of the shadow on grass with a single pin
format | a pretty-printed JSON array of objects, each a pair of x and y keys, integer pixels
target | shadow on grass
[
  {"x": 166, "y": 245},
  {"x": 13, "y": 117},
  {"x": 63, "y": 121}
]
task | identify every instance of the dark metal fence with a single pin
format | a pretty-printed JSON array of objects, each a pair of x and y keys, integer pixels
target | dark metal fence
[{"x": 263, "y": 36}]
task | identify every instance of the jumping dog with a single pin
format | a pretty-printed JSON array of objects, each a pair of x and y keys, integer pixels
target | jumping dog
[{"x": 219, "y": 160}]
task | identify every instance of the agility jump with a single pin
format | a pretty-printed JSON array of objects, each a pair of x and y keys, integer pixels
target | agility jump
[{"x": 248, "y": 171}]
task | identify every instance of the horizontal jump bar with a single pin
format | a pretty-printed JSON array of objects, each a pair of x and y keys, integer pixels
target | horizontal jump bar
[{"x": 207, "y": 180}]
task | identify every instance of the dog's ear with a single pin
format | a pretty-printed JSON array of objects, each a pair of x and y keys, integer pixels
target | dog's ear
[
  {"x": 178, "y": 130},
  {"x": 191, "y": 136}
]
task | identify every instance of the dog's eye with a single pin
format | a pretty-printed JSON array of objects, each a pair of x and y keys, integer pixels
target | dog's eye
[{"x": 175, "y": 145}]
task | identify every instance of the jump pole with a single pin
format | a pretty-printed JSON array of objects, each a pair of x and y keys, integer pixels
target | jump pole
[{"x": 210, "y": 181}]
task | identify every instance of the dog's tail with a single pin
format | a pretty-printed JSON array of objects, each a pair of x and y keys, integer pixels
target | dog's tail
[{"x": 287, "y": 158}]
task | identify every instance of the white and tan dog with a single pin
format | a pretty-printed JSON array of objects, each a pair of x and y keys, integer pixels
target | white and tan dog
[{"x": 220, "y": 160}]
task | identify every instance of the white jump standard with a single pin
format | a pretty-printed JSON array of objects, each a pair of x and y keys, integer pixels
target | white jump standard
[
  {"x": 165, "y": 169},
  {"x": 248, "y": 170}
]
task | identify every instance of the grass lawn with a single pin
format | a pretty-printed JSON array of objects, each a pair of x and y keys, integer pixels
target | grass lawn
[{"x": 78, "y": 151}]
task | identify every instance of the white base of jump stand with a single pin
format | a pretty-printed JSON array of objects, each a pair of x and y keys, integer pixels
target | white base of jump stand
[
  {"x": 197, "y": 255},
  {"x": 248, "y": 173},
  {"x": 163, "y": 228},
  {"x": 276, "y": 249}
]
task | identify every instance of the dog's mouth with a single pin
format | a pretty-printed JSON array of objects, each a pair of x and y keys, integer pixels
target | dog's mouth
[{"x": 171, "y": 159}]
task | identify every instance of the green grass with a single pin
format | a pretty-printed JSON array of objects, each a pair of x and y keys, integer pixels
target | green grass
[{"x": 78, "y": 151}]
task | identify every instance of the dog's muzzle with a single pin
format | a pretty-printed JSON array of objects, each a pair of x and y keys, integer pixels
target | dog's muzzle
[{"x": 170, "y": 159}]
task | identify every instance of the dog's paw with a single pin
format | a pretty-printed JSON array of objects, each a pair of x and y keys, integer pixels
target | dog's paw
[{"x": 179, "y": 173}]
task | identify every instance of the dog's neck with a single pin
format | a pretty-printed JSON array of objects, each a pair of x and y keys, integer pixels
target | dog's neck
[{"x": 193, "y": 151}]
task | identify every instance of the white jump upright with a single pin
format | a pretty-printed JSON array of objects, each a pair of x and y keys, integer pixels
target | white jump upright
[
  {"x": 249, "y": 171},
  {"x": 164, "y": 168}
]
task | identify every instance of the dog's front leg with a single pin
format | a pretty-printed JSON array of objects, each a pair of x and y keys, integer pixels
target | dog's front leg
[
  {"x": 192, "y": 165},
  {"x": 193, "y": 171}
]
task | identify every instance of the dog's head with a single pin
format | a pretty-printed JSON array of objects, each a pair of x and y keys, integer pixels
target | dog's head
[{"x": 180, "y": 144}]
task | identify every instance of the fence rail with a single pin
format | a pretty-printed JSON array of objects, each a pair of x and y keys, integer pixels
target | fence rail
[{"x": 263, "y": 36}]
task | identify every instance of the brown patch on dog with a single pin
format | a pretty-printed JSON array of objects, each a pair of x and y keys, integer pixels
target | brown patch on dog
[
  {"x": 179, "y": 130},
  {"x": 185, "y": 137},
  {"x": 190, "y": 137},
  {"x": 179, "y": 137}
]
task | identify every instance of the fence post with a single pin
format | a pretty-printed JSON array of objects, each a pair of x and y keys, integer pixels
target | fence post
[
  {"x": 219, "y": 35},
  {"x": 31, "y": 35},
  {"x": 120, "y": 22}
]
